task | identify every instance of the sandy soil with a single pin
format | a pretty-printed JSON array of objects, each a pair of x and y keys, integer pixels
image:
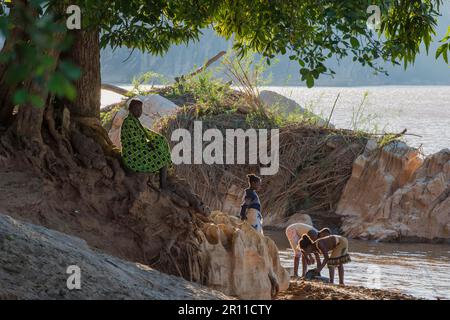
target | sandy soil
[
  {"x": 313, "y": 290},
  {"x": 119, "y": 215}
]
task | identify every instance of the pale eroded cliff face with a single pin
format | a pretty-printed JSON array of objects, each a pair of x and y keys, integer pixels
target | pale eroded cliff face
[{"x": 393, "y": 194}]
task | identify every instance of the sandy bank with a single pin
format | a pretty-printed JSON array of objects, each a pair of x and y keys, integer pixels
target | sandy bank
[
  {"x": 35, "y": 263},
  {"x": 312, "y": 290}
]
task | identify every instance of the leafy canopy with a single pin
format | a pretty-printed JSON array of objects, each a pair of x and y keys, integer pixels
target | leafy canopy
[{"x": 311, "y": 32}]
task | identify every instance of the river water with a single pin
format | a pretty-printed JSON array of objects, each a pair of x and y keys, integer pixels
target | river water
[
  {"x": 422, "y": 110},
  {"x": 422, "y": 270}
]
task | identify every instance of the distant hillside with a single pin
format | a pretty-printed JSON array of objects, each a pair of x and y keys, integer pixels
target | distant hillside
[{"x": 120, "y": 66}]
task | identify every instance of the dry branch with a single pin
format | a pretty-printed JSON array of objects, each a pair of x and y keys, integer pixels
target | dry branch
[
  {"x": 115, "y": 89},
  {"x": 202, "y": 68}
]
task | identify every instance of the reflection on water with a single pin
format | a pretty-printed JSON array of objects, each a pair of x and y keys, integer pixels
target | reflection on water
[
  {"x": 423, "y": 110},
  {"x": 422, "y": 270}
]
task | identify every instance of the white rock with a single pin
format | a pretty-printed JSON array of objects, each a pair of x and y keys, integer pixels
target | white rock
[{"x": 242, "y": 261}]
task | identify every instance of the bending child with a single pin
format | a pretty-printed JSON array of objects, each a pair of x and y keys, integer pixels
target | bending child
[
  {"x": 338, "y": 246},
  {"x": 294, "y": 232}
]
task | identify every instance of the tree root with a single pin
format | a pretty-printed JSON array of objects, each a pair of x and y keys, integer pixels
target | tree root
[{"x": 92, "y": 128}]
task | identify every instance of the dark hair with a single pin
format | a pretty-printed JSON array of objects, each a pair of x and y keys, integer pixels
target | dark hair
[
  {"x": 312, "y": 233},
  {"x": 305, "y": 242},
  {"x": 325, "y": 230},
  {"x": 253, "y": 178},
  {"x": 134, "y": 103}
]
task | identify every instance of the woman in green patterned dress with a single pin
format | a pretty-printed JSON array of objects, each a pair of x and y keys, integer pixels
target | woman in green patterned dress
[{"x": 143, "y": 150}]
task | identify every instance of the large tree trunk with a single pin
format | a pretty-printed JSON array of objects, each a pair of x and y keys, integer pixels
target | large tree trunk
[
  {"x": 6, "y": 104},
  {"x": 7, "y": 90},
  {"x": 27, "y": 125},
  {"x": 85, "y": 109},
  {"x": 85, "y": 53}
]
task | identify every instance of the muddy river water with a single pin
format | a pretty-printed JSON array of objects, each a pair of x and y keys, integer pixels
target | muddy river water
[{"x": 421, "y": 270}]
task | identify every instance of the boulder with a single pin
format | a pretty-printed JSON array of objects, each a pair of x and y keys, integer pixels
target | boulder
[
  {"x": 34, "y": 264},
  {"x": 233, "y": 200},
  {"x": 275, "y": 222},
  {"x": 395, "y": 195},
  {"x": 154, "y": 107},
  {"x": 288, "y": 106},
  {"x": 242, "y": 262},
  {"x": 273, "y": 99}
]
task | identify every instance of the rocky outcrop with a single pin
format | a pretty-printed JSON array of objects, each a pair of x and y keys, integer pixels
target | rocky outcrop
[
  {"x": 395, "y": 195},
  {"x": 154, "y": 107},
  {"x": 34, "y": 262},
  {"x": 243, "y": 263}
]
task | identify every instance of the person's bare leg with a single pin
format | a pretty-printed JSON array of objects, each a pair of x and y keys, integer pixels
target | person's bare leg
[
  {"x": 296, "y": 262},
  {"x": 163, "y": 177},
  {"x": 341, "y": 274},
  {"x": 304, "y": 265},
  {"x": 331, "y": 270}
]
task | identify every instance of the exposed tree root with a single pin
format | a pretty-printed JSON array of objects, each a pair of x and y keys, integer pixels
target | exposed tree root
[{"x": 113, "y": 210}]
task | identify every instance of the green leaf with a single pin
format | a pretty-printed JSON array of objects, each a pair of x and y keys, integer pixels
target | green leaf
[
  {"x": 354, "y": 42},
  {"x": 304, "y": 71},
  {"x": 56, "y": 84},
  {"x": 70, "y": 70},
  {"x": 310, "y": 81},
  {"x": 445, "y": 55},
  {"x": 16, "y": 73},
  {"x": 70, "y": 91},
  {"x": 20, "y": 97},
  {"x": 36, "y": 101},
  {"x": 442, "y": 50}
]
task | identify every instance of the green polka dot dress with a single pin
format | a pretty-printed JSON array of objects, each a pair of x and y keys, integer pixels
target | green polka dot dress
[{"x": 143, "y": 150}]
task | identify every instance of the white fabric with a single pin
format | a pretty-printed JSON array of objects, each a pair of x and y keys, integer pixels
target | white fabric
[
  {"x": 254, "y": 218},
  {"x": 294, "y": 232}
]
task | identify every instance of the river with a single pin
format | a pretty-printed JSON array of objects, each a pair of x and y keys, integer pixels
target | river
[
  {"x": 422, "y": 110},
  {"x": 421, "y": 270}
]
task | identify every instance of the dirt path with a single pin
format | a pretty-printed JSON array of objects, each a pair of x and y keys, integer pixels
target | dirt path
[{"x": 311, "y": 290}]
